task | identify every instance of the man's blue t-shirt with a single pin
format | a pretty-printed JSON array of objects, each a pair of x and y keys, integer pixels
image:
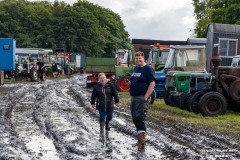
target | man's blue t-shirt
[{"x": 140, "y": 80}]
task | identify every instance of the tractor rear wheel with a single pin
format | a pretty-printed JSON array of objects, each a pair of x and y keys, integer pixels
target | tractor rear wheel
[
  {"x": 212, "y": 104},
  {"x": 234, "y": 91},
  {"x": 192, "y": 102},
  {"x": 182, "y": 100},
  {"x": 122, "y": 84}
]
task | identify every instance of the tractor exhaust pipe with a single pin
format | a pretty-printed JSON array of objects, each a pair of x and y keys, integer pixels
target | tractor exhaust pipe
[{"x": 216, "y": 61}]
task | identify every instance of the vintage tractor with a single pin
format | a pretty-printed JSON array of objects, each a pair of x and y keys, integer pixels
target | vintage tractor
[
  {"x": 182, "y": 61},
  {"x": 225, "y": 90}
]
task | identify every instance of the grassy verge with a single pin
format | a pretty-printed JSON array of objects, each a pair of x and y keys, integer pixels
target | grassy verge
[{"x": 159, "y": 112}]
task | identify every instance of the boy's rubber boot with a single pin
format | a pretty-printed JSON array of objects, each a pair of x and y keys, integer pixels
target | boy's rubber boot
[{"x": 141, "y": 142}]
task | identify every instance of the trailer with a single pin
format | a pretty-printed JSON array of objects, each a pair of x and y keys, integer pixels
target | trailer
[{"x": 95, "y": 65}]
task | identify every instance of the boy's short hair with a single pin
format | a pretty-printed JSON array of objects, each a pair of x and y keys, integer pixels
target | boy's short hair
[{"x": 137, "y": 54}]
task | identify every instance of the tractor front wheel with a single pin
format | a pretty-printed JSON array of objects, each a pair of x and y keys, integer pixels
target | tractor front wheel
[{"x": 166, "y": 94}]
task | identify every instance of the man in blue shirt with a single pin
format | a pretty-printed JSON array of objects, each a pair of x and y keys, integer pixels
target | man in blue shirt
[{"x": 142, "y": 82}]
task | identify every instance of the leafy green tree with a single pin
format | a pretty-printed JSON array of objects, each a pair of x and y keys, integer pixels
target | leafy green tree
[
  {"x": 81, "y": 27},
  {"x": 215, "y": 11}
]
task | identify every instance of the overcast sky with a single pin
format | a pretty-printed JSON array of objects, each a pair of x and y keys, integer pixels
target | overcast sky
[{"x": 152, "y": 19}]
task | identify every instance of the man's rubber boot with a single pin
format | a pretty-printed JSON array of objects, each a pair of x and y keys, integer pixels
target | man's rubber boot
[
  {"x": 107, "y": 126},
  {"x": 141, "y": 142}
]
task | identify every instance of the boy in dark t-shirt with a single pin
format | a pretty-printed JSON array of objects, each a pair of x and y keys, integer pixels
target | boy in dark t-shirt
[{"x": 142, "y": 82}]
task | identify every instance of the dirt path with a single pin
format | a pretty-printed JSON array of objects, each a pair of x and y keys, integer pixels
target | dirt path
[{"x": 53, "y": 120}]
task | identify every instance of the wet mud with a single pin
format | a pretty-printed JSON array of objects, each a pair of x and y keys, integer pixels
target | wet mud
[{"x": 54, "y": 120}]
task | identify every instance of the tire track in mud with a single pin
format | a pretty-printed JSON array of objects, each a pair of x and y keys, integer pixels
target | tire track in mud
[
  {"x": 200, "y": 143},
  {"x": 70, "y": 148},
  {"x": 62, "y": 116},
  {"x": 127, "y": 127},
  {"x": 12, "y": 145}
]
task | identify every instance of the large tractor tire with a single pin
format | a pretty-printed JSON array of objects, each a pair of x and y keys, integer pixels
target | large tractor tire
[
  {"x": 192, "y": 102},
  {"x": 212, "y": 104},
  {"x": 165, "y": 98},
  {"x": 122, "y": 84},
  {"x": 1, "y": 78},
  {"x": 175, "y": 101},
  {"x": 151, "y": 98},
  {"x": 234, "y": 90},
  {"x": 170, "y": 100},
  {"x": 182, "y": 100},
  {"x": 33, "y": 74}
]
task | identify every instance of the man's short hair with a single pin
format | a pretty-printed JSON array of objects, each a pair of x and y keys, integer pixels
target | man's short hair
[{"x": 137, "y": 54}]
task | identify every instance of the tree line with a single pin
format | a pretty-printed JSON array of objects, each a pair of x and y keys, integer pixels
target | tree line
[
  {"x": 81, "y": 27},
  {"x": 215, "y": 11}
]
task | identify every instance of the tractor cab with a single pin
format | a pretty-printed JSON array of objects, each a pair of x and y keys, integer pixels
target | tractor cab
[
  {"x": 124, "y": 56},
  {"x": 158, "y": 56},
  {"x": 186, "y": 58}
]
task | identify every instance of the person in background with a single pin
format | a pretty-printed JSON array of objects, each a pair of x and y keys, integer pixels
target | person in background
[
  {"x": 54, "y": 68},
  {"x": 142, "y": 82},
  {"x": 59, "y": 68},
  {"x": 102, "y": 99},
  {"x": 41, "y": 66}
]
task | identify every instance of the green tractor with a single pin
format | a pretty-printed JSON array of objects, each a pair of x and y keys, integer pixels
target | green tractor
[
  {"x": 176, "y": 84},
  {"x": 182, "y": 61}
]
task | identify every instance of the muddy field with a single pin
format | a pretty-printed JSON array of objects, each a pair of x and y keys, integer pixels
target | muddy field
[{"x": 53, "y": 120}]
